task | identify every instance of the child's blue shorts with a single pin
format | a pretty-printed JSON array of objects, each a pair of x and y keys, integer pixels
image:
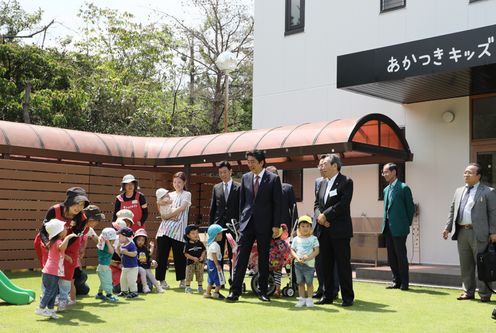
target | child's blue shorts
[{"x": 215, "y": 278}]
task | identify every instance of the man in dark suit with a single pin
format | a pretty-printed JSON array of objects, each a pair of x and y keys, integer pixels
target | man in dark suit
[
  {"x": 289, "y": 210},
  {"x": 398, "y": 215},
  {"x": 472, "y": 221},
  {"x": 334, "y": 229},
  {"x": 259, "y": 219},
  {"x": 224, "y": 205}
]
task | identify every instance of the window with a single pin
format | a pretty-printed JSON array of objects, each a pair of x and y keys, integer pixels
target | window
[
  {"x": 387, "y": 5},
  {"x": 295, "y": 16},
  {"x": 484, "y": 118},
  {"x": 400, "y": 173}
]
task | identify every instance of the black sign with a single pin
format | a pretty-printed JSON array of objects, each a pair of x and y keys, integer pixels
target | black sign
[{"x": 455, "y": 51}]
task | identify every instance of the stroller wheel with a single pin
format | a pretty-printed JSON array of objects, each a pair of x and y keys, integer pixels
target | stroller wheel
[
  {"x": 255, "y": 287},
  {"x": 244, "y": 287},
  {"x": 284, "y": 291},
  {"x": 290, "y": 292}
]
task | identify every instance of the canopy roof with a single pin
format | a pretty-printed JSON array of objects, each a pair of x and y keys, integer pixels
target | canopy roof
[{"x": 374, "y": 138}]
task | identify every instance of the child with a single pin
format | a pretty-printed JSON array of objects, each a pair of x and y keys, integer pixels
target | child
[
  {"x": 54, "y": 266},
  {"x": 278, "y": 256},
  {"x": 195, "y": 253},
  {"x": 214, "y": 262},
  {"x": 304, "y": 249},
  {"x": 144, "y": 261},
  {"x": 105, "y": 250},
  {"x": 115, "y": 264},
  {"x": 129, "y": 259},
  {"x": 164, "y": 201}
]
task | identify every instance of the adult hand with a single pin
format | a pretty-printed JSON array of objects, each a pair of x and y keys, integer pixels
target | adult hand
[
  {"x": 445, "y": 234},
  {"x": 492, "y": 238},
  {"x": 68, "y": 258},
  {"x": 275, "y": 231},
  {"x": 139, "y": 223}
]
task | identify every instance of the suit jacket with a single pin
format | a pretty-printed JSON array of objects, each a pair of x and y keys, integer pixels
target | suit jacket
[
  {"x": 221, "y": 212},
  {"x": 483, "y": 212},
  {"x": 336, "y": 209},
  {"x": 287, "y": 204},
  {"x": 264, "y": 210},
  {"x": 400, "y": 210}
]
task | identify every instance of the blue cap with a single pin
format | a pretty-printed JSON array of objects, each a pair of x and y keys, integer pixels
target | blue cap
[{"x": 213, "y": 231}]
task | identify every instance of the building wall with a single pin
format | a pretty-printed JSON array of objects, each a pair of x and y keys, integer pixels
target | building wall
[{"x": 295, "y": 82}]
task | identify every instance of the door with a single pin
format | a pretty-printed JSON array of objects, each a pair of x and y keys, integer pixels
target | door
[{"x": 487, "y": 160}]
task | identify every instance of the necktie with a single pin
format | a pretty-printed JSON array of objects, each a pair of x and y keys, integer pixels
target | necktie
[
  {"x": 226, "y": 193},
  {"x": 463, "y": 203},
  {"x": 256, "y": 186}
]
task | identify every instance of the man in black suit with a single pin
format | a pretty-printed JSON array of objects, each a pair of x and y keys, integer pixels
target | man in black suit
[
  {"x": 225, "y": 204},
  {"x": 289, "y": 210},
  {"x": 259, "y": 219},
  {"x": 334, "y": 229}
]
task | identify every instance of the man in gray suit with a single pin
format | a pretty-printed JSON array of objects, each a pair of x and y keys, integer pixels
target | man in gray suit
[{"x": 472, "y": 221}]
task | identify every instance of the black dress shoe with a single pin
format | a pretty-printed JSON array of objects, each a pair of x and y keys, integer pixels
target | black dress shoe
[
  {"x": 393, "y": 286},
  {"x": 318, "y": 295},
  {"x": 347, "y": 303},
  {"x": 264, "y": 298},
  {"x": 404, "y": 288},
  {"x": 324, "y": 300},
  {"x": 232, "y": 297},
  {"x": 494, "y": 314}
]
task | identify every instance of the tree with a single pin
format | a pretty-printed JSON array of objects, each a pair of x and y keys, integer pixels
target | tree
[{"x": 13, "y": 19}]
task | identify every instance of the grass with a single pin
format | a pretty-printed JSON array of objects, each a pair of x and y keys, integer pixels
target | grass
[{"x": 376, "y": 310}]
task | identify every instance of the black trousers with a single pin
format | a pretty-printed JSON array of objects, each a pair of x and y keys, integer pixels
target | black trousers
[
  {"x": 320, "y": 277},
  {"x": 397, "y": 257},
  {"x": 164, "y": 245},
  {"x": 223, "y": 244},
  {"x": 245, "y": 244},
  {"x": 336, "y": 251}
]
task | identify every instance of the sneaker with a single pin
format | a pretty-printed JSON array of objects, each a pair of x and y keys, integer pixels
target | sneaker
[
  {"x": 146, "y": 290},
  {"x": 159, "y": 289},
  {"x": 71, "y": 302},
  {"x": 43, "y": 312},
  {"x": 111, "y": 298},
  {"x": 56, "y": 300},
  {"x": 188, "y": 290},
  {"x": 53, "y": 314},
  {"x": 207, "y": 295},
  {"x": 122, "y": 294},
  {"x": 131, "y": 295},
  {"x": 217, "y": 295},
  {"x": 164, "y": 285},
  {"x": 182, "y": 284},
  {"x": 301, "y": 303},
  {"x": 309, "y": 302},
  {"x": 62, "y": 306},
  {"x": 200, "y": 290},
  {"x": 101, "y": 297}
]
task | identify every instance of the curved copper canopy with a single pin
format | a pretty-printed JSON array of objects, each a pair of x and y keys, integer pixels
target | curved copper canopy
[{"x": 374, "y": 138}]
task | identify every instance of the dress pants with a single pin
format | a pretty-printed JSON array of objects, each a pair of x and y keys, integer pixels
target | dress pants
[
  {"x": 245, "y": 244},
  {"x": 336, "y": 251},
  {"x": 397, "y": 257}
]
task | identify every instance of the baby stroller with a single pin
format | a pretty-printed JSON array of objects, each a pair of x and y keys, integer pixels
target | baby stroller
[
  {"x": 252, "y": 262},
  {"x": 290, "y": 289}
]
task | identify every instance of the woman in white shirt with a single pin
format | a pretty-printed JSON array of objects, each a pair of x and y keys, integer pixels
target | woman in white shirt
[{"x": 171, "y": 231}]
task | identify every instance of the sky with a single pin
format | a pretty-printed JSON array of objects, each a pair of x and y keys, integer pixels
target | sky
[{"x": 66, "y": 21}]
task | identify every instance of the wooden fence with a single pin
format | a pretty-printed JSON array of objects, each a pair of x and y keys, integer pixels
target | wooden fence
[{"x": 28, "y": 189}]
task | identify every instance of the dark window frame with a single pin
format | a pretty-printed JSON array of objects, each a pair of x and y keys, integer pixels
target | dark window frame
[
  {"x": 289, "y": 30},
  {"x": 470, "y": 1},
  {"x": 295, "y": 178},
  {"x": 381, "y": 5},
  {"x": 401, "y": 175}
]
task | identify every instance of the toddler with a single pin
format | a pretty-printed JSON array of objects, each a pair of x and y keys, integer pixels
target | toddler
[
  {"x": 195, "y": 254},
  {"x": 304, "y": 249},
  {"x": 129, "y": 260}
]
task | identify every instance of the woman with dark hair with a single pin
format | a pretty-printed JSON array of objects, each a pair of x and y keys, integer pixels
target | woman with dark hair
[
  {"x": 71, "y": 212},
  {"x": 171, "y": 231},
  {"x": 130, "y": 198}
]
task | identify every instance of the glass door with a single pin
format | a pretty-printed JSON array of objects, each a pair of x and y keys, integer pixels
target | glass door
[{"x": 487, "y": 161}]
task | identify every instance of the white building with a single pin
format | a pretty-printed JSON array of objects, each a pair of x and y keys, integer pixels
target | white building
[{"x": 296, "y": 81}]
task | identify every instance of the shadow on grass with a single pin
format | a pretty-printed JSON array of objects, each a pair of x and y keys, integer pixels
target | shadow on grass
[
  {"x": 78, "y": 317},
  {"x": 365, "y": 306},
  {"x": 425, "y": 291}
]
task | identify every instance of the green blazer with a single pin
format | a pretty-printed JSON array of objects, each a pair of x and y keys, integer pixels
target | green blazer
[{"x": 400, "y": 210}]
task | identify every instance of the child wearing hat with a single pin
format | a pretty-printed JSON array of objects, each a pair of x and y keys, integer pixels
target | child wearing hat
[
  {"x": 105, "y": 250},
  {"x": 195, "y": 254},
  {"x": 54, "y": 266},
  {"x": 278, "y": 255},
  {"x": 164, "y": 201},
  {"x": 129, "y": 260},
  {"x": 304, "y": 249},
  {"x": 144, "y": 261},
  {"x": 215, "y": 273}
]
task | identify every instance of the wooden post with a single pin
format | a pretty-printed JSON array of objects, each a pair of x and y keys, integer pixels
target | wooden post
[{"x": 25, "y": 105}]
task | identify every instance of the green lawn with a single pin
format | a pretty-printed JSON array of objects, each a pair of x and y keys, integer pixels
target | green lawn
[{"x": 376, "y": 310}]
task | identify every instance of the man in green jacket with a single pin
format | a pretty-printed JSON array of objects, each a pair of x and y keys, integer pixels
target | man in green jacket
[{"x": 398, "y": 215}]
